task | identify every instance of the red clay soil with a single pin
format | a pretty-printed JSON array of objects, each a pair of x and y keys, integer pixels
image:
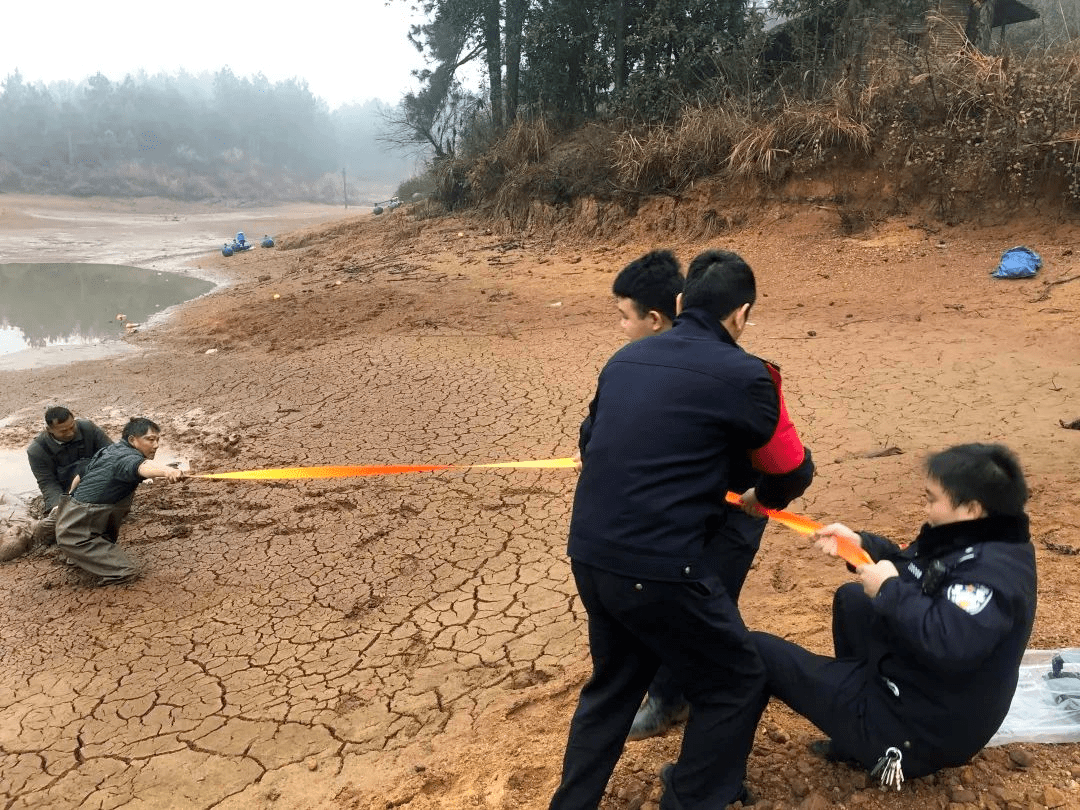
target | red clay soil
[{"x": 415, "y": 641}]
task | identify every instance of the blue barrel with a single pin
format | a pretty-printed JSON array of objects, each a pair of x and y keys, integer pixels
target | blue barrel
[
  {"x": 226, "y": 250},
  {"x": 267, "y": 242}
]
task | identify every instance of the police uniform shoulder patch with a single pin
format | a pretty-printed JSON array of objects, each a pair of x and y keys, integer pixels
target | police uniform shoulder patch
[{"x": 968, "y": 597}]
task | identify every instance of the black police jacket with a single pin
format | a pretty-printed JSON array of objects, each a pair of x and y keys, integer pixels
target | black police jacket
[
  {"x": 673, "y": 419},
  {"x": 949, "y": 633}
]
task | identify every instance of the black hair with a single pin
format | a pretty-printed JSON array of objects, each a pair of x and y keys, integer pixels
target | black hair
[
  {"x": 719, "y": 282},
  {"x": 57, "y": 414},
  {"x": 138, "y": 426},
  {"x": 987, "y": 474},
  {"x": 651, "y": 282}
]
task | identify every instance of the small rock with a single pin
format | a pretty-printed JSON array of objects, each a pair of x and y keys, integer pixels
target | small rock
[
  {"x": 211, "y": 351},
  {"x": 779, "y": 735},
  {"x": 312, "y": 764},
  {"x": 419, "y": 768},
  {"x": 815, "y": 801},
  {"x": 14, "y": 542},
  {"x": 264, "y": 278},
  {"x": 276, "y": 296},
  {"x": 1021, "y": 758},
  {"x": 799, "y": 787},
  {"x": 1009, "y": 795},
  {"x": 1052, "y": 797},
  {"x": 811, "y": 333},
  {"x": 962, "y": 795}
]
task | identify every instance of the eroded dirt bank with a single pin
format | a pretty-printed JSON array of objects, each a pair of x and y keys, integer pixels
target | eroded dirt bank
[{"x": 415, "y": 641}]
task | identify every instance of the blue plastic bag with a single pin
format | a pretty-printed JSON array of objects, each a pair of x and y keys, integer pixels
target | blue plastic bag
[{"x": 1018, "y": 262}]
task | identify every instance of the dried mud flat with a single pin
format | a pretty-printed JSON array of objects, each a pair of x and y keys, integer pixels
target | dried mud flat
[{"x": 415, "y": 641}]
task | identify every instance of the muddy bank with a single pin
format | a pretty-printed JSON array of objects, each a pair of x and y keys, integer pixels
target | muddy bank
[{"x": 416, "y": 640}]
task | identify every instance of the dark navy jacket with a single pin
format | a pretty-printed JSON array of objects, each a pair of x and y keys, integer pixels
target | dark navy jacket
[
  {"x": 668, "y": 431},
  {"x": 949, "y": 632}
]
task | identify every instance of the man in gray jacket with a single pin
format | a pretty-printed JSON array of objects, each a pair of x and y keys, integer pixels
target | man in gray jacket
[{"x": 56, "y": 456}]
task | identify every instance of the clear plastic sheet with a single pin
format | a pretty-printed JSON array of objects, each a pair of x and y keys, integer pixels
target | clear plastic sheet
[{"x": 1046, "y": 705}]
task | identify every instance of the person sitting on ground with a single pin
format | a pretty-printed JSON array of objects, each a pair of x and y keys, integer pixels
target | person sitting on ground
[
  {"x": 88, "y": 520},
  {"x": 929, "y": 640},
  {"x": 56, "y": 456}
]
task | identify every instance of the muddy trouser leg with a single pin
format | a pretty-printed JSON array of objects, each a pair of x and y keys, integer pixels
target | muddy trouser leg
[
  {"x": 119, "y": 513},
  {"x": 45, "y": 529},
  {"x": 84, "y": 533},
  {"x": 731, "y": 554},
  {"x": 622, "y": 667}
]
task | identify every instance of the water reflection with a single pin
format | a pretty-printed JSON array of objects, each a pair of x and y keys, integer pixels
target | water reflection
[
  {"x": 15, "y": 475},
  {"x": 77, "y": 304}
]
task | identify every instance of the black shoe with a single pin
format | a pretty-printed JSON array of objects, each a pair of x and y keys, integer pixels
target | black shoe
[{"x": 654, "y": 719}]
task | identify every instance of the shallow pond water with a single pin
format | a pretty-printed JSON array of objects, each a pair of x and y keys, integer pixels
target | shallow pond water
[{"x": 49, "y": 305}]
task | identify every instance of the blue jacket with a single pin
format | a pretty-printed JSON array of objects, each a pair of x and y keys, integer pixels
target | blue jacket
[{"x": 670, "y": 426}]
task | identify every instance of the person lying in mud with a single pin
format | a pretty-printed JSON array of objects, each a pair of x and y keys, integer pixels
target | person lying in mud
[
  {"x": 88, "y": 520},
  {"x": 929, "y": 640},
  {"x": 56, "y": 456}
]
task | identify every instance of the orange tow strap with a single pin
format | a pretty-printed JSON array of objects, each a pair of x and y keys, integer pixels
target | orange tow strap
[
  {"x": 845, "y": 549},
  {"x": 803, "y": 525}
]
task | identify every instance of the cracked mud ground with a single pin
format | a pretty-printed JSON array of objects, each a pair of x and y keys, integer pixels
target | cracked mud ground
[{"x": 415, "y": 641}]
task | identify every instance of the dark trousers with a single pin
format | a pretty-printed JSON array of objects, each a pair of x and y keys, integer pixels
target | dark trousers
[
  {"x": 630, "y": 633},
  {"x": 731, "y": 553},
  {"x": 841, "y": 696}
]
